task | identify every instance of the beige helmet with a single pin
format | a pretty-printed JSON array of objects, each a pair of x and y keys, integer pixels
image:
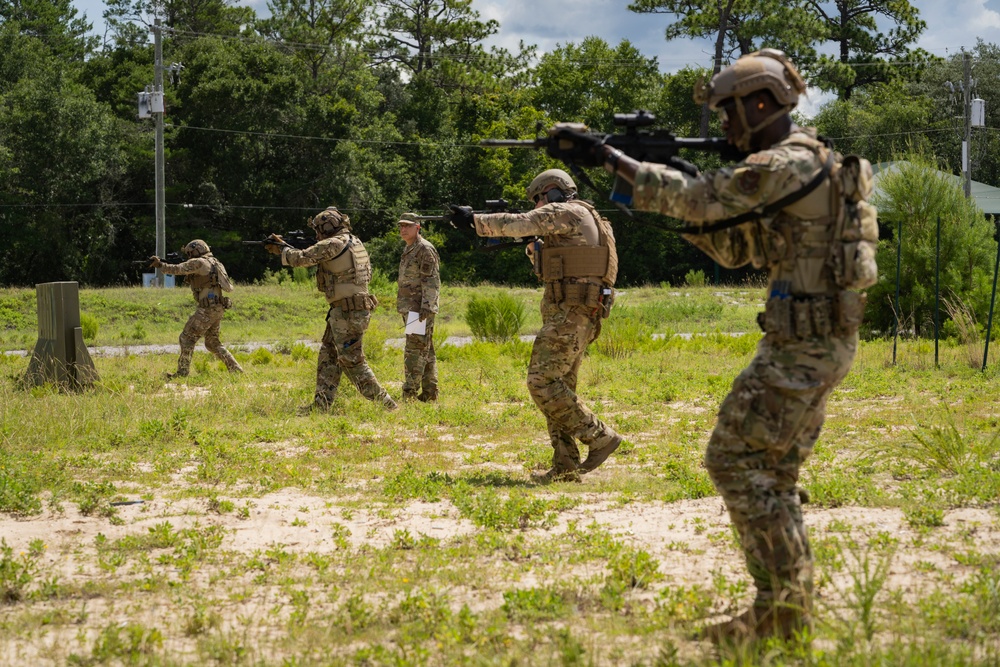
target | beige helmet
[
  {"x": 196, "y": 248},
  {"x": 329, "y": 221},
  {"x": 409, "y": 219},
  {"x": 767, "y": 69},
  {"x": 549, "y": 177}
]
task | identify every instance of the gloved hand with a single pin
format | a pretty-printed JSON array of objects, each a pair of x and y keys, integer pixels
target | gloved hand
[
  {"x": 426, "y": 313},
  {"x": 575, "y": 144},
  {"x": 461, "y": 216},
  {"x": 276, "y": 246},
  {"x": 155, "y": 262}
]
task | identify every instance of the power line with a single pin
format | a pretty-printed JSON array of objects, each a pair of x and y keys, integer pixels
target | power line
[
  {"x": 479, "y": 56},
  {"x": 464, "y": 145},
  {"x": 333, "y": 139}
]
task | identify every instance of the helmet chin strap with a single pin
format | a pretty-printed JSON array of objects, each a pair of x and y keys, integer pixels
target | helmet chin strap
[{"x": 743, "y": 141}]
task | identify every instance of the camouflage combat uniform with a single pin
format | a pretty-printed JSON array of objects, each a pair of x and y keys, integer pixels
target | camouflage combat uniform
[
  {"x": 419, "y": 287},
  {"x": 203, "y": 278},
  {"x": 771, "y": 419},
  {"x": 573, "y": 305},
  {"x": 343, "y": 275}
]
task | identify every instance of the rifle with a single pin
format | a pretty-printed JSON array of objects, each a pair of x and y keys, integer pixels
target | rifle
[
  {"x": 170, "y": 258},
  {"x": 645, "y": 145},
  {"x": 298, "y": 239},
  {"x": 492, "y": 206}
]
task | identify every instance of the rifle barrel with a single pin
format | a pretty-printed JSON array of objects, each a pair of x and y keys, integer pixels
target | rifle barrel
[{"x": 514, "y": 143}]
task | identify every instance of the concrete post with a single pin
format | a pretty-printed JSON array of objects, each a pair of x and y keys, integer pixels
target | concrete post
[{"x": 60, "y": 355}]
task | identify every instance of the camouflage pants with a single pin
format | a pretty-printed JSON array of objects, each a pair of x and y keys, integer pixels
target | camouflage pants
[
  {"x": 420, "y": 364},
  {"x": 552, "y": 374},
  {"x": 343, "y": 351},
  {"x": 206, "y": 321},
  {"x": 767, "y": 427}
]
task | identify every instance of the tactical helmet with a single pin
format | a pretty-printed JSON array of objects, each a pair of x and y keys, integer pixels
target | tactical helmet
[
  {"x": 556, "y": 177},
  {"x": 329, "y": 221},
  {"x": 196, "y": 248},
  {"x": 767, "y": 69},
  {"x": 409, "y": 219}
]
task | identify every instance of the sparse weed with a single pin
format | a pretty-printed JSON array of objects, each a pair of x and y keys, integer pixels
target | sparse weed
[
  {"x": 533, "y": 604},
  {"x": 943, "y": 448}
]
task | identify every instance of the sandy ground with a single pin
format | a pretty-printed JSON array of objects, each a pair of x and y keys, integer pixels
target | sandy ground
[{"x": 690, "y": 538}]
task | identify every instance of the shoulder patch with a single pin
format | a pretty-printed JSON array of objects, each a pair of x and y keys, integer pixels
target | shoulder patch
[
  {"x": 760, "y": 159},
  {"x": 748, "y": 182}
]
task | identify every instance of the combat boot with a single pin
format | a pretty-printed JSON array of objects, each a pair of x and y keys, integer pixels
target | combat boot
[
  {"x": 556, "y": 475},
  {"x": 409, "y": 396},
  {"x": 600, "y": 450},
  {"x": 388, "y": 403},
  {"x": 759, "y": 623},
  {"x": 428, "y": 397}
]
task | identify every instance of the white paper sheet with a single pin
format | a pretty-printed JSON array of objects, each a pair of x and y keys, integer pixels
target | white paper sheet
[{"x": 414, "y": 325}]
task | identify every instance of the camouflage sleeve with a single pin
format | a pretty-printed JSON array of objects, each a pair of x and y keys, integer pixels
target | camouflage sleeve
[
  {"x": 551, "y": 219},
  {"x": 724, "y": 193},
  {"x": 430, "y": 278},
  {"x": 197, "y": 266},
  {"x": 314, "y": 254}
]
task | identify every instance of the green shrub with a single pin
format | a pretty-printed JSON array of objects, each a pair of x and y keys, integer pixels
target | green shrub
[
  {"x": 380, "y": 284},
  {"x": 90, "y": 326},
  {"x": 694, "y": 278},
  {"x": 375, "y": 338},
  {"x": 261, "y": 356},
  {"x": 496, "y": 318},
  {"x": 300, "y": 351},
  {"x": 300, "y": 274},
  {"x": 622, "y": 334}
]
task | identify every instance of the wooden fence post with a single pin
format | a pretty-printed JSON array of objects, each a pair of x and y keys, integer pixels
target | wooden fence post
[{"x": 60, "y": 355}]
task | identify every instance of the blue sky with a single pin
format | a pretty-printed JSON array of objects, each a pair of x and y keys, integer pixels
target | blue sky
[{"x": 951, "y": 25}]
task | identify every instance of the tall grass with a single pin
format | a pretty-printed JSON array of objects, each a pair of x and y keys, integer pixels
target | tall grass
[
  {"x": 964, "y": 320},
  {"x": 496, "y": 318},
  {"x": 943, "y": 447}
]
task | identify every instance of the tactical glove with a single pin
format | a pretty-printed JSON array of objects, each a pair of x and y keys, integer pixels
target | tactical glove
[
  {"x": 572, "y": 143},
  {"x": 426, "y": 313},
  {"x": 155, "y": 262},
  {"x": 275, "y": 245},
  {"x": 461, "y": 216}
]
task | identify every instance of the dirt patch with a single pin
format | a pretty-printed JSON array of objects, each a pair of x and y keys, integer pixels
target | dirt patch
[{"x": 691, "y": 539}]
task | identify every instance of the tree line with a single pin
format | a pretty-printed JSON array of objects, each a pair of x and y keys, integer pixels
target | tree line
[{"x": 377, "y": 106}]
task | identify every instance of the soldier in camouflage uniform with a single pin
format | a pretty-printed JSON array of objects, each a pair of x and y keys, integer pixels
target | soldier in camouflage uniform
[
  {"x": 779, "y": 209},
  {"x": 575, "y": 257},
  {"x": 344, "y": 270},
  {"x": 419, "y": 286},
  {"x": 208, "y": 280}
]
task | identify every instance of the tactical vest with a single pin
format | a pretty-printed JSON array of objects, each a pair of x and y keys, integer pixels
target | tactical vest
[
  {"x": 207, "y": 289},
  {"x": 600, "y": 262},
  {"x": 579, "y": 274},
  {"x": 347, "y": 274},
  {"x": 816, "y": 257}
]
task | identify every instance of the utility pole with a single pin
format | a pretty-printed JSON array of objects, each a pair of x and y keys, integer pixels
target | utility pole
[
  {"x": 161, "y": 234},
  {"x": 967, "y": 110}
]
